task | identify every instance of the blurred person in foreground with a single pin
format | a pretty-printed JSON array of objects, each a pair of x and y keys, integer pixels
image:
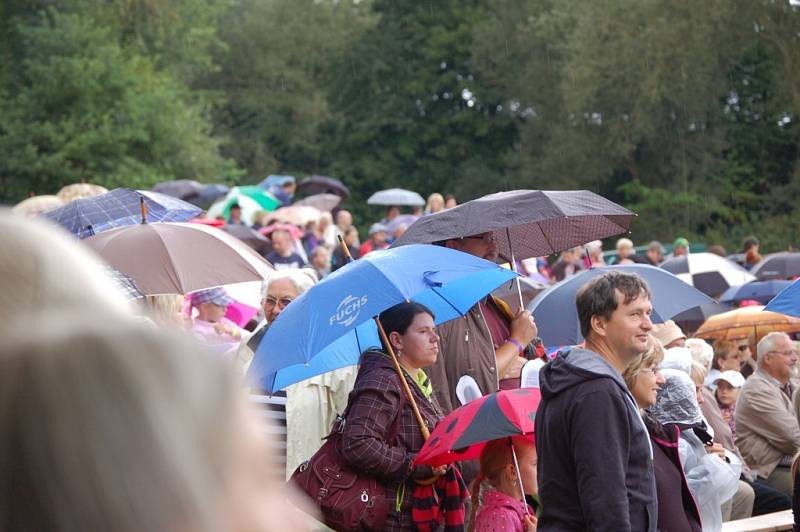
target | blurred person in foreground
[
  {"x": 677, "y": 509},
  {"x": 108, "y": 426},
  {"x": 596, "y": 462},
  {"x": 767, "y": 428}
]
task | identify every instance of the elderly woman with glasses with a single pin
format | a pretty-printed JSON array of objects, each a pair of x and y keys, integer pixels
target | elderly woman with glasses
[{"x": 677, "y": 509}]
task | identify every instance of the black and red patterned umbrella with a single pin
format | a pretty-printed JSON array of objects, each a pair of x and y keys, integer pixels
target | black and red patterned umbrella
[
  {"x": 531, "y": 223},
  {"x": 463, "y": 434}
]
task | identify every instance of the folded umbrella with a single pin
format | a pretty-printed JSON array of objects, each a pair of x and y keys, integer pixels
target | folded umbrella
[
  {"x": 396, "y": 196},
  {"x": 118, "y": 208},
  {"x": 320, "y": 184},
  {"x": 709, "y": 273},
  {"x": 178, "y": 258},
  {"x": 342, "y": 306},
  {"x": 557, "y": 316}
]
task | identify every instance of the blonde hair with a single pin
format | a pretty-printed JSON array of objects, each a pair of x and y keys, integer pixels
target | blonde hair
[
  {"x": 108, "y": 426},
  {"x": 698, "y": 373},
  {"x": 164, "y": 309},
  {"x": 495, "y": 458},
  {"x": 437, "y": 198},
  {"x": 652, "y": 357}
]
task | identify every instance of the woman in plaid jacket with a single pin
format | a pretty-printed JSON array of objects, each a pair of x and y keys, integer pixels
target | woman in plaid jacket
[{"x": 378, "y": 399}]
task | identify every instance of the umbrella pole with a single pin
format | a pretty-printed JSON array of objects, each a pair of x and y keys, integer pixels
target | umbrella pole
[
  {"x": 519, "y": 477},
  {"x": 423, "y": 428},
  {"x": 143, "y": 208},
  {"x": 514, "y": 269}
]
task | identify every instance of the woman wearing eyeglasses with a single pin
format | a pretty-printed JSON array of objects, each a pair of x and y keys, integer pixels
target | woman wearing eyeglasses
[{"x": 677, "y": 509}]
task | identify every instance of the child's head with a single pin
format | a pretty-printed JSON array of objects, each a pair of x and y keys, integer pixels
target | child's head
[
  {"x": 497, "y": 467},
  {"x": 728, "y": 384}
]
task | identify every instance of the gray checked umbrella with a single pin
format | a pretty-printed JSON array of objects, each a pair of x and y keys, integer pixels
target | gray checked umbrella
[{"x": 531, "y": 223}]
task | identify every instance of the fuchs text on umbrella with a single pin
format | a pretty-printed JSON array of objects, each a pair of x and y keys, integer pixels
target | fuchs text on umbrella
[{"x": 348, "y": 310}]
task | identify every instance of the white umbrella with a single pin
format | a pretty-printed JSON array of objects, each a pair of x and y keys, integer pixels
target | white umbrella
[
  {"x": 396, "y": 196},
  {"x": 709, "y": 273}
]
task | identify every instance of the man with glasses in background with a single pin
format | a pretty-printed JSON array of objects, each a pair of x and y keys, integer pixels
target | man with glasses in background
[{"x": 767, "y": 430}]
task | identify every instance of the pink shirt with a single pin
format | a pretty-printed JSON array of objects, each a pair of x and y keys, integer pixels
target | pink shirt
[
  {"x": 501, "y": 513},
  {"x": 222, "y": 343}
]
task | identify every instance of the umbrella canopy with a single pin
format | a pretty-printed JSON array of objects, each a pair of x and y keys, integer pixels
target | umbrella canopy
[
  {"x": 784, "y": 265},
  {"x": 185, "y": 189},
  {"x": 396, "y": 196},
  {"x": 341, "y": 307},
  {"x": 249, "y": 236},
  {"x": 709, "y": 273},
  {"x": 746, "y": 321},
  {"x": 80, "y": 191},
  {"x": 690, "y": 320},
  {"x": 118, "y": 208},
  {"x": 787, "y": 301},
  {"x": 251, "y": 199},
  {"x": 401, "y": 219},
  {"x": 464, "y": 433},
  {"x": 37, "y": 205},
  {"x": 557, "y": 316},
  {"x": 296, "y": 214},
  {"x": 126, "y": 285},
  {"x": 178, "y": 258},
  {"x": 324, "y": 202},
  {"x": 530, "y": 288},
  {"x": 761, "y": 291},
  {"x": 320, "y": 184},
  {"x": 535, "y": 222}
]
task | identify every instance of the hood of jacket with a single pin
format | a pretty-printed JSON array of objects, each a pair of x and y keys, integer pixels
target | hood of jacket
[{"x": 575, "y": 366}]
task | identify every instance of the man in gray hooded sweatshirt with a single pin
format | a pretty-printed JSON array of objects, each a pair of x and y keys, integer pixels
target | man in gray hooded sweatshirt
[{"x": 595, "y": 465}]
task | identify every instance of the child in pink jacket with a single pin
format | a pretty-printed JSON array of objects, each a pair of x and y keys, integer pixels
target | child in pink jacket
[{"x": 503, "y": 508}]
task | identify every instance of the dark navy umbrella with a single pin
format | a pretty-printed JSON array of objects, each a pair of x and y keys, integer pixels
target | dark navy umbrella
[
  {"x": 557, "y": 316},
  {"x": 761, "y": 291},
  {"x": 783, "y": 265},
  {"x": 120, "y": 207},
  {"x": 319, "y": 184}
]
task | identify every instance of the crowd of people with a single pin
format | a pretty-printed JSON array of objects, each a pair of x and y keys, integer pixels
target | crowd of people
[{"x": 639, "y": 427}]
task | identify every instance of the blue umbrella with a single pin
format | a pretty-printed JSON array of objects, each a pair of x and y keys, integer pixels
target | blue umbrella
[
  {"x": 761, "y": 291},
  {"x": 120, "y": 207},
  {"x": 788, "y": 301},
  {"x": 557, "y": 317},
  {"x": 332, "y": 321}
]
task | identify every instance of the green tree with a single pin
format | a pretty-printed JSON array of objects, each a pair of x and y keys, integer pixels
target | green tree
[{"x": 81, "y": 107}]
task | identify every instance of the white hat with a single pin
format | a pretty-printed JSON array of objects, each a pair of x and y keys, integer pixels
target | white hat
[
  {"x": 679, "y": 358},
  {"x": 734, "y": 378}
]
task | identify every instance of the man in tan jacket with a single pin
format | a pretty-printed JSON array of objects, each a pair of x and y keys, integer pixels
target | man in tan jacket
[{"x": 767, "y": 431}]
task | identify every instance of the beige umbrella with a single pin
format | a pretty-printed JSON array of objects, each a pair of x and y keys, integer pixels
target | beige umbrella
[
  {"x": 746, "y": 321},
  {"x": 36, "y": 205},
  {"x": 79, "y": 191},
  {"x": 298, "y": 215},
  {"x": 177, "y": 258}
]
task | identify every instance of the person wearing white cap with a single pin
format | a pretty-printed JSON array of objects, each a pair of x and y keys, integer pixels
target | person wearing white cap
[
  {"x": 728, "y": 383},
  {"x": 669, "y": 334},
  {"x": 377, "y": 240}
]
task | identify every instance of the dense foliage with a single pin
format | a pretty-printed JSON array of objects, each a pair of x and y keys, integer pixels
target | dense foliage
[{"x": 684, "y": 111}]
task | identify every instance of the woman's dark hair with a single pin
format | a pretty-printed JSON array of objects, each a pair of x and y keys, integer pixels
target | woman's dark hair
[{"x": 399, "y": 317}]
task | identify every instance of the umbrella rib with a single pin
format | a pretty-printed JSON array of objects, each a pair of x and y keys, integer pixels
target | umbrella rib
[
  {"x": 447, "y": 301},
  {"x": 544, "y": 234}
]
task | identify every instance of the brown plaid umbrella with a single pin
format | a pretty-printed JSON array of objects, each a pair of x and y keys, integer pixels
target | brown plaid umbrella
[{"x": 531, "y": 223}]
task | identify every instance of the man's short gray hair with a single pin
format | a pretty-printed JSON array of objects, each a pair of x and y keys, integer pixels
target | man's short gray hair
[{"x": 767, "y": 344}]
